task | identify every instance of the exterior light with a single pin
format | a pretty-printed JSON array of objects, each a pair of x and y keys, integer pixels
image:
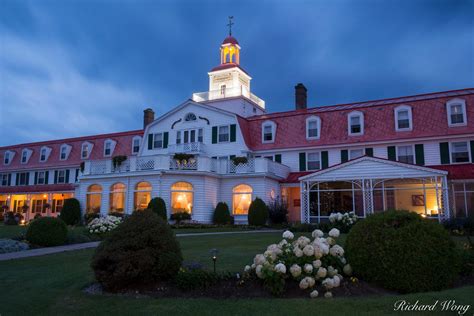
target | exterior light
[
  {"x": 214, "y": 253},
  {"x": 22, "y": 222},
  {"x": 44, "y": 196}
]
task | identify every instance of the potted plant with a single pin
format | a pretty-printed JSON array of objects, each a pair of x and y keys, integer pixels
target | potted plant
[
  {"x": 118, "y": 160},
  {"x": 240, "y": 164},
  {"x": 82, "y": 166},
  {"x": 182, "y": 159}
]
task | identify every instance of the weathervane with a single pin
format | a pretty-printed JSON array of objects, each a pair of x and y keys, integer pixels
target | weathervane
[{"x": 230, "y": 25}]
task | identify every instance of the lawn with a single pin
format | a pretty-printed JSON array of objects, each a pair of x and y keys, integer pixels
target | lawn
[{"x": 52, "y": 285}]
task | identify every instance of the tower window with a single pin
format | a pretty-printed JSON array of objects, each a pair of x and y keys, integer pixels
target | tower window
[{"x": 223, "y": 89}]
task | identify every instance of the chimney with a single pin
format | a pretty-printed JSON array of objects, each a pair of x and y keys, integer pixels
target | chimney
[
  {"x": 300, "y": 96},
  {"x": 148, "y": 117}
]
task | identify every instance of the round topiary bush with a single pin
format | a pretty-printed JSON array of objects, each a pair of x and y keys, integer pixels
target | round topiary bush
[
  {"x": 142, "y": 250},
  {"x": 158, "y": 206},
  {"x": 71, "y": 212},
  {"x": 258, "y": 213},
  {"x": 47, "y": 232},
  {"x": 400, "y": 250},
  {"x": 222, "y": 214}
]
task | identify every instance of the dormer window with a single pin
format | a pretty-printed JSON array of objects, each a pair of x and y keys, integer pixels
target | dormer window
[
  {"x": 403, "y": 118},
  {"x": 190, "y": 117},
  {"x": 313, "y": 127},
  {"x": 268, "y": 132},
  {"x": 7, "y": 157},
  {"x": 108, "y": 148},
  {"x": 63, "y": 152},
  {"x": 355, "y": 122},
  {"x": 43, "y": 154},
  {"x": 456, "y": 109},
  {"x": 25, "y": 156},
  {"x": 136, "y": 145},
  {"x": 86, "y": 150}
]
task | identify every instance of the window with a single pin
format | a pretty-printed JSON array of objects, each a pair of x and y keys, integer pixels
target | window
[
  {"x": 189, "y": 136},
  {"x": 63, "y": 152},
  {"x": 107, "y": 148},
  {"x": 459, "y": 152},
  {"x": 136, "y": 145},
  {"x": 313, "y": 125},
  {"x": 22, "y": 178},
  {"x": 241, "y": 199},
  {"x": 190, "y": 117},
  {"x": 223, "y": 133},
  {"x": 356, "y": 153},
  {"x": 142, "y": 195},
  {"x": 4, "y": 179},
  {"x": 356, "y": 123},
  {"x": 403, "y": 118},
  {"x": 456, "y": 110},
  {"x": 43, "y": 154},
  {"x": 158, "y": 140},
  {"x": 223, "y": 89},
  {"x": 6, "y": 158},
  {"x": 85, "y": 151},
  {"x": 61, "y": 176},
  {"x": 182, "y": 197},
  {"x": 93, "y": 198},
  {"x": 178, "y": 137},
  {"x": 405, "y": 154},
  {"x": 268, "y": 132},
  {"x": 24, "y": 156},
  {"x": 41, "y": 177},
  {"x": 313, "y": 161},
  {"x": 117, "y": 198},
  {"x": 200, "y": 135}
]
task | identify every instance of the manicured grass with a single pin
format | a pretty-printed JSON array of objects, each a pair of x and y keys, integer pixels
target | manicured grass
[
  {"x": 53, "y": 285},
  {"x": 11, "y": 231}
]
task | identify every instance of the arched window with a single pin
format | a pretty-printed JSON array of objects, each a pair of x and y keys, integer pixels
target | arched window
[
  {"x": 94, "y": 197},
  {"x": 190, "y": 117},
  {"x": 182, "y": 197},
  {"x": 142, "y": 195},
  {"x": 117, "y": 198},
  {"x": 241, "y": 199}
]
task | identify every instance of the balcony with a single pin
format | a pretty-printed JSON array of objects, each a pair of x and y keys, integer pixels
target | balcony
[
  {"x": 189, "y": 148},
  {"x": 228, "y": 93},
  {"x": 199, "y": 163}
]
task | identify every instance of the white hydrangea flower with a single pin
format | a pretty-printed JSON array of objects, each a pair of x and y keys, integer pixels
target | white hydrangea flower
[
  {"x": 247, "y": 268},
  {"x": 283, "y": 243},
  {"x": 328, "y": 295},
  {"x": 308, "y": 268},
  {"x": 331, "y": 241},
  {"x": 304, "y": 284},
  {"x": 303, "y": 241},
  {"x": 347, "y": 269},
  {"x": 270, "y": 255},
  {"x": 317, "y": 264},
  {"x": 298, "y": 252},
  {"x": 334, "y": 233},
  {"x": 295, "y": 270},
  {"x": 280, "y": 268},
  {"x": 259, "y": 259},
  {"x": 317, "y": 233},
  {"x": 314, "y": 294},
  {"x": 328, "y": 283},
  {"x": 331, "y": 271},
  {"x": 322, "y": 272},
  {"x": 308, "y": 250},
  {"x": 258, "y": 271},
  {"x": 336, "y": 251},
  {"x": 288, "y": 235},
  {"x": 336, "y": 281}
]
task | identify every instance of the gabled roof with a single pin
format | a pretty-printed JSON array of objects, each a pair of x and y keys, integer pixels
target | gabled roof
[{"x": 428, "y": 111}]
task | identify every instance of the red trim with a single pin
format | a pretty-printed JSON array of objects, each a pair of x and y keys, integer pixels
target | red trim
[
  {"x": 37, "y": 188},
  {"x": 230, "y": 40}
]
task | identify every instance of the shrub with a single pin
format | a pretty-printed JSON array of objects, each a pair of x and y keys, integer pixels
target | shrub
[
  {"x": 46, "y": 232},
  {"x": 467, "y": 266},
  {"x": 9, "y": 245},
  {"x": 180, "y": 216},
  {"x": 71, "y": 212},
  {"x": 158, "y": 206},
  {"x": 10, "y": 219},
  {"x": 278, "y": 212},
  {"x": 460, "y": 226},
  {"x": 258, "y": 213},
  {"x": 117, "y": 214},
  {"x": 400, "y": 250},
  {"x": 143, "y": 249},
  {"x": 88, "y": 217},
  {"x": 222, "y": 214}
]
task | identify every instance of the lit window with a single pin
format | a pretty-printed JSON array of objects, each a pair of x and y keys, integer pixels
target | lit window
[
  {"x": 43, "y": 154},
  {"x": 136, "y": 145},
  {"x": 313, "y": 124},
  {"x": 93, "y": 198},
  {"x": 403, "y": 118},
  {"x": 158, "y": 140},
  {"x": 24, "y": 156},
  {"x": 117, "y": 198},
  {"x": 241, "y": 199},
  {"x": 405, "y": 154},
  {"x": 142, "y": 195},
  {"x": 313, "y": 161},
  {"x": 63, "y": 153},
  {"x": 456, "y": 112},
  {"x": 85, "y": 151},
  {"x": 6, "y": 158},
  {"x": 182, "y": 197},
  {"x": 459, "y": 152},
  {"x": 107, "y": 148},
  {"x": 223, "y": 133},
  {"x": 356, "y": 153},
  {"x": 268, "y": 132},
  {"x": 190, "y": 117},
  {"x": 356, "y": 123}
]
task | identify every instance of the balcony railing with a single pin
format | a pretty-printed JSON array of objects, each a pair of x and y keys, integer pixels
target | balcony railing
[
  {"x": 228, "y": 93},
  {"x": 198, "y": 163},
  {"x": 196, "y": 147}
]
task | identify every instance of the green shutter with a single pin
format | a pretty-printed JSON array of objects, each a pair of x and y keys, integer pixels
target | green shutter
[
  {"x": 76, "y": 175},
  {"x": 344, "y": 155},
  {"x": 55, "y": 176},
  {"x": 391, "y": 153},
  {"x": 46, "y": 177},
  {"x": 27, "y": 178},
  {"x": 165, "y": 140},
  {"x": 420, "y": 154},
  {"x": 17, "y": 180},
  {"x": 232, "y": 157},
  {"x": 302, "y": 161},
  {"x": 444, "y": 153},
  {"x": 214, "y": 134},
  {"x": 472, "y": 150},
  {"x": 67, "y": 176},
  {"x": 233, "y": 132},
  {"x": 369, "y": 152},
  {"x": 36, "y": 177},
  {"x": 324, "y": 159},
  {"x": 150, "y": 141},
  {"x": 9, "y": 179},
  {"x": 278, "y": 158}
]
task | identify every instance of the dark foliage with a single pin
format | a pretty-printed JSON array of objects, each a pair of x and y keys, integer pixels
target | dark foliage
[
  {"x": 71, "y": 212},
  {"x": 258, "y": 213},
  {"x": 222, "y": 214},
  {"x": 47, "y": 232},
  {"x": 158, "y": 206},
  {"x": 180, "y": 216},
  {"x": 278, "y": 212}
]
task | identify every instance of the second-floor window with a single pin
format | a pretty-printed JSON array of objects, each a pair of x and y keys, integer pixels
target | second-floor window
[
  {"x": 459, "y": 152},
  {"x": 41, "y": 177},
  {"x": 61, "y": 176},
  {"x": 4, "y": 179},
  {"x": 22, "y": 178},
  {"x": 158, "y": 140},
  {"x": 313, "y": 161},
  {"x": 405, "y": 154},
  {"x": 356, "y": 123},
  {"x": 223, "y": 134},
  {"x": 356, "y": 153}
]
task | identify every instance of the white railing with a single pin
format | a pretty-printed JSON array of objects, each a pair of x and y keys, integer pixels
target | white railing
[
  {"x": 195, "y": 147},
  {"x": 228, "y": 93},
  {"x": 145, "y": 163},
  {"x": 98, "y": 166},
  {"x": 247, "y": 167},
  {"x": 124, "y": 167}
]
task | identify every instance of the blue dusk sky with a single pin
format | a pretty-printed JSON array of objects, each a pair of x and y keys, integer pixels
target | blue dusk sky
[{"x": 81, "y": 67}]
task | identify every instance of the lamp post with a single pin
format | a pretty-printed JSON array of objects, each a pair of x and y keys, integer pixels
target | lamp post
[{"x": 214, "y": 253}]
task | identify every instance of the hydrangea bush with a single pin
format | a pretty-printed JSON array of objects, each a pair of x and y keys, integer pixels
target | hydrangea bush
[
  {"x": 319, "y": 261},
  {"x": 103, "y": 225},
  {"x": 10, "y": 245},
  {"x": 343, "y": 221}
]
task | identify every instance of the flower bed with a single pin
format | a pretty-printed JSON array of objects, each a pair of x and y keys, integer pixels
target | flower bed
[
  {"x": 343, "y": 221},
  {"x": 103, "y": 225},
  {"x": 310, "y": 262}
]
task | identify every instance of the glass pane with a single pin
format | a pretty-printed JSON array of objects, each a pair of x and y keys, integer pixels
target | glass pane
[
  {"x": 181, "y": 202},
  {"x": 459, "y": 201},
  {"x": 143, "y": 186},
  {"x": 141, "y": 200},
  {"x": 117, "y": 202},
  {"x": 94, "y": 188},
  {"x": 182, "y": 186},
  {"x": 242, "y": 188},
  {"x": 241, "y": 203},
  {"x": 93, "y": 203}
]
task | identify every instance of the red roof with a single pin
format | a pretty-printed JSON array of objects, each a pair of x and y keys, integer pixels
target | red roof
[
  {"x": 123, "y": 147},
  {"x": 428, "y": 111},
  {"x": 228, "y": 66},
  {"x": 37, "y": 188},
  {"x": 230, "y": 40},
  {"x": 294, "y": 176},
  {"x": 457, "y": 172}
]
